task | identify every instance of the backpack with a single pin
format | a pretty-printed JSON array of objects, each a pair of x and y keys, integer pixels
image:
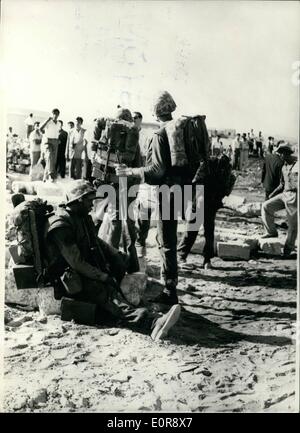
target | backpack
[
  {"x": 189, "y": 142},
  {"x": 118, "y": 143},
  {"x": 98, "y": 129},
  {"x": 31, "y": 222},
  {"x": 123, "y": 138}
]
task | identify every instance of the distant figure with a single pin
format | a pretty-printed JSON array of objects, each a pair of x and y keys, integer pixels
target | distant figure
[
  {"x": 51, "y": 129},
  {"x": 259, "y": 144},
  {"x": 61, "y": 151},
  {"x": 230, "y": 152},
  {"x": 236, "y": 146},
  {"x": 35, "y": 140},
  {"x": 29, "y": 124},
  {"x": 283, "y": 197},
  {"x": 250, "y": 143},
  {"x": 244, "y": 152},
  {"x": 217, "y": 147},
  {"x": 10, "y": 134},
  {"x": 270, "y": 145},
  {"x": 77, "y": 146},
  {"x": 71, "y": 126}
]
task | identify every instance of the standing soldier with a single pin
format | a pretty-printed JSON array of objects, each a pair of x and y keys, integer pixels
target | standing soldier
[{"x": 167, "y": 165}]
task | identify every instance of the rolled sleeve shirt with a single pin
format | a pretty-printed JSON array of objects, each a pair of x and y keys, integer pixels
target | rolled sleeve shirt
[{"x": 52, "y": 130}]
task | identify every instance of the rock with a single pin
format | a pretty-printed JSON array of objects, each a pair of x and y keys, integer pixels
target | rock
[
  {"x": 133, "y": 287},
  {"x": 40, "y": 396},
  {"x": 85, "y": 402},
  {"x": 121, "y": 377},
  {"x": 198, "y": 246},
  {"x": 26, "y": 297},
  {"x": 42, "y": 319},
  {"x": 47, "y": 303},
  {"x": 26, "y": 187},
  {"x": 8, "y": 315},
  {"x": 234, "y": 201},
  {"x": 270, "y": 246},
  {"x": 46, "y": 189},
  {"x": 19, "y": 402},
  {"x": 18, "y": 322},
  {"x": 250, "y": 209},
  {"x": 113, "y": 332},
  {"x": 205, "y": 372},
  {"x": 233, "y": 250}
]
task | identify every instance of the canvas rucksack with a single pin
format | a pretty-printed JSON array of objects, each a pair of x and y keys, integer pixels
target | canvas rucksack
[
  {"x": 122, "y": 137},
  {"x": 31, "y": 221},
  {"x": 189, "y": 142},
  {"x": 118, "y": 143}
]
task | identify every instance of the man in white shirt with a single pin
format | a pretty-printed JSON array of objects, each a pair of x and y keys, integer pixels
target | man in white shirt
[
  {"x": 29, "y": 122},
  {"x": 51, "y": 129}
]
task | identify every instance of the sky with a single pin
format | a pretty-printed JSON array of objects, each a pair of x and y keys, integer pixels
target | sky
[{"x": 232, "y": 61}]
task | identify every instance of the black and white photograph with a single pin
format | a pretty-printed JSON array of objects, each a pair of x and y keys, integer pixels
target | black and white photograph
[{"x": 149, "y": 210}]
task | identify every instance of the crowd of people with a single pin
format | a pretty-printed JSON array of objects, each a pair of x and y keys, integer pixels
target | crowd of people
[
  {"x": 243, "y": 147},
  {"x": 90, "y": 247}
]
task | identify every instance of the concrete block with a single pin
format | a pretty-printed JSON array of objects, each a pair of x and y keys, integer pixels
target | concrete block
[
  {"x": 271, "y": 246},
  {"x": 198, "y": 246},
  {"x": 12, "y": 295},
  {"x": 47, "y": 304},
  {"x": 234, "y": 237},
  {"x": 233, "y": 250},
  {"x": 133, "y": 287}
]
